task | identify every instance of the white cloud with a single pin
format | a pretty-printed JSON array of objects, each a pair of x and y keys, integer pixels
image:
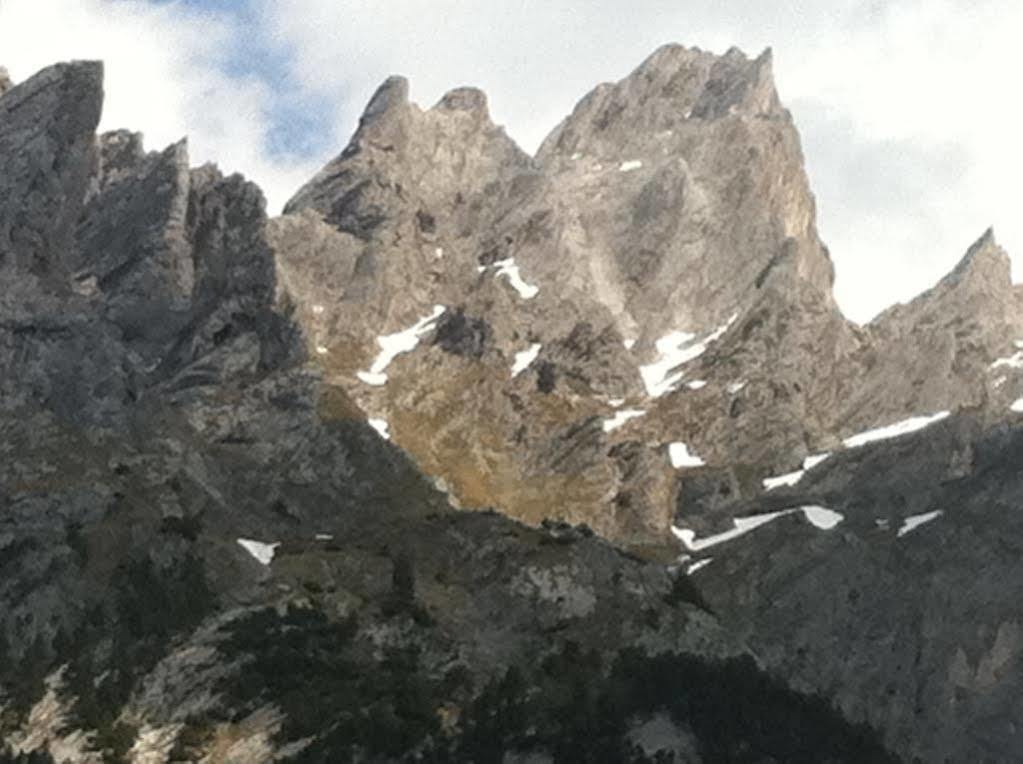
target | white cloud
[
  {"x": 907, "y": 107},
  {"x": 164, "y": 76}
]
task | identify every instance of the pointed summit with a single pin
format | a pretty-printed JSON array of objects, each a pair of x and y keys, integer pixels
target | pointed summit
[
  {"x": 672, "y": 86},
  {"x": 695, "y": 176},
  {"x": 369, "y": 182},
  {"x": 738, "y": 85},
  {"x": 980, "y": 286},
  {"x": 47, "y": 147},
  {"x": 465, "y": 99},
  {"x": 5, "y": 81},
  {"x": 392, "y": 94},
  {"x": 985, "y": 261}
]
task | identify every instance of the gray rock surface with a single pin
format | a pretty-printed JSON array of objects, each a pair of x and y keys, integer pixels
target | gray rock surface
[
  {"x": 911, "y": 628},
  {"x": 47, "y": 126}
]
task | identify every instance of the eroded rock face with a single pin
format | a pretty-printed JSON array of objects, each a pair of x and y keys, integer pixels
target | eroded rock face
[
  {"x": 906, "y": 613},
  {"x": 47, "y": 127},
  {"x": 673, "y": 201},
  {"x": 686, "y": 181}
]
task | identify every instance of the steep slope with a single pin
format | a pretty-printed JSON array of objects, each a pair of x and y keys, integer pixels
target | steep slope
[
  {"x": 209, "y": 556},
  {"x": 905, "y": 609},
  {"x": 687, "y": 179}
]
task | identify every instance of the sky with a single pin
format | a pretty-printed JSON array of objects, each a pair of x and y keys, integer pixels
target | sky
[{"x": 909, "y": 110}]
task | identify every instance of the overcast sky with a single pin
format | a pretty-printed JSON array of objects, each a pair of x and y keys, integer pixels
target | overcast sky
[{"x": 909, "y": 111}]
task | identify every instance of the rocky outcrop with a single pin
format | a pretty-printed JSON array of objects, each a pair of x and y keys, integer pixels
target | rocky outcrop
[
  {"x": 679, "y": 232},
  {"x": 906, "y": 611},
  {"x": 936, "y": 352},
  {"x": 46, "y": 141}
]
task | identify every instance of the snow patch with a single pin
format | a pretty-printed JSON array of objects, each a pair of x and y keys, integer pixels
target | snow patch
[
  {"x": 372, "y": 379},
  {"x": 524, "y": 358},
  {"x": 680, "y": 457},
  {"x": 819, "y": 517},
  {"x": 915, "y": 521},
  {"x": 1018, "y": 344},
  {"x": 629, "y": 344},
  {"x": 632, "y": 164},
  {"x": 1014, "y": 361},
  {"x": 1017, "y": 407},
  {"x": 894, "y": 430},
  {"x": 324, "y": 537},
  {"x": 320, "y": 350},
  {"x": 263, "y": 552},
  {"x": 822, "y": 517},
  {"x": 621, "y": 417},
  {"x": 380, "y": 425},
  {"x": 812, "y": 461},
  {"x": 511, "y": 270},
  {"x": 737, "y": 387},
  {"x": 439, "y": 252},
  {"x": 791, "y": 478},
  {"x": 699, "y": 564},
  {"x": 576, "y": 156},
  {"x": 743, "y": 525},
  {"x": 676, "y": 349},
  {"x": 696, "y": 384},
  {"x": 317, "y": 309},
  {"x": 615, "y": 402},
  {"x": 393, "y": 345},
  {"x": 786, "y": 480}
]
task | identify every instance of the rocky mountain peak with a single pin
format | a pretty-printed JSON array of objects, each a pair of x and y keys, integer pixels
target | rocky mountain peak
[
  {"x": 672, "y": 87},
  {"x": 465, "y": 99},
  {"x": 5, "y": 81},
  {"x": 47, "y": 152},
  {"x": 687, "y": 234},
  {"x": 978, "y": 289},
  {"x": 985, "y": 265},
  {"x": 390, "y": 96},
  {"x": 442, "y": 156}
]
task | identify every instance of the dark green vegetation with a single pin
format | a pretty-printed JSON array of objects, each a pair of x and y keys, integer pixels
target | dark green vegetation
[
  {"x": 576, "y": 709},
  {"x": 575, "y": 705},
  {"x": 152, "y": 606}
]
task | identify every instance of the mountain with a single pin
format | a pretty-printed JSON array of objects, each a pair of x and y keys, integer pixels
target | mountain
[{"x": 477, "y": 456}]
